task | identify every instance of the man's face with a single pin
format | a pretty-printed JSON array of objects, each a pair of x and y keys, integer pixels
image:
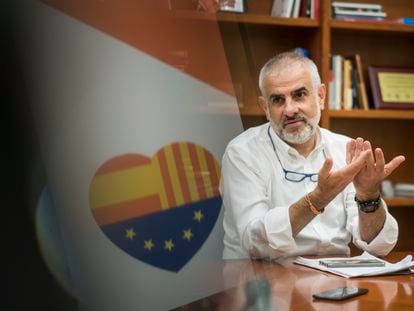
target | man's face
[{"x": 292, "y": 104}]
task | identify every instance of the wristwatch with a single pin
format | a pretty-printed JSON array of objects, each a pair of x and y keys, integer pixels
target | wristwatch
[{"x": 368, "y": 206}]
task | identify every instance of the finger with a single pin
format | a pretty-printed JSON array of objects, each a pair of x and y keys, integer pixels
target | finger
[
  {"x": 358, "y": 147},
  {"x": 370, "y": 160},
  {"x": 350, "y": 150},
  {"x": 380, "y": 160},
  {"x": 393, "y": 164},
  {"x": 359, "y": 163},
  {"x": 326, "y": 168}
]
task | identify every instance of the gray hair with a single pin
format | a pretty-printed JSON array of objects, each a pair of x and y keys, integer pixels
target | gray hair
[{"x": 286, "y": 59}]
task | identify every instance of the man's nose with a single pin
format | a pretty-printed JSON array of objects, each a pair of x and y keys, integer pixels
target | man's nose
[{"x": 290, "y": 107}]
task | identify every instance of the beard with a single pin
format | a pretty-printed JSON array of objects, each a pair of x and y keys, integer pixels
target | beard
[{"x": 298, "y": 136}]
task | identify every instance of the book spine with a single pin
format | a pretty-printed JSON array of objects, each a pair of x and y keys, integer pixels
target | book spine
[
  {"x": 296, "y": 8},
  {"x": 362, "y": 91},
  {"x": 347, "y": 89},
  {"x": 356, "y": 5},
  {"x": 357, "y": 13},
  {"x": 358, "y": 18},
  {"x": 337, "y": 80},
  {"x": 282, "y": 8}
]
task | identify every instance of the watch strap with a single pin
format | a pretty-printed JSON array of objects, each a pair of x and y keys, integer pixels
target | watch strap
[{"x": 369, "y": 206}]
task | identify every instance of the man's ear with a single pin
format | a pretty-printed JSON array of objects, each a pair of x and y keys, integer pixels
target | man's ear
[
  {"x": 322, "y": 96},
  {"x": 263, "y": 105}
]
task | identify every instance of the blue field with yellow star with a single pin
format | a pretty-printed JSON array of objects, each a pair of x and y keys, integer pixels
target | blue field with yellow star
[{"x": 167, "y": 239}]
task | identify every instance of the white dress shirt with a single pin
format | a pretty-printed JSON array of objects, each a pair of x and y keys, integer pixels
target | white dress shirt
[{"x": 257, "y": 197}]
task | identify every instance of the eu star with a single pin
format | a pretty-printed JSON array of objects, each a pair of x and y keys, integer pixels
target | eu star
[
  {"x": 148, "y": 245},
  {"x": 168, "y": 245},
  {"x": 198, "y": 215},
  {"x": 187, "y": 234},
  {"x": 130, "y": 233}
]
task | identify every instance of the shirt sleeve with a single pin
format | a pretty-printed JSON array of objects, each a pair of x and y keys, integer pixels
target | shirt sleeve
[
  {"x": 385, "y": 240},
  {"x": 263, "y": 231}
]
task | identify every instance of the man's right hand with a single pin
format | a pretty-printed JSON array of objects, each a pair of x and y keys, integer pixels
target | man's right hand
[{"x": 331, "y": 183}]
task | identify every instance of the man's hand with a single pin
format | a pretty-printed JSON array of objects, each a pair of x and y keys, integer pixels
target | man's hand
[
  {"x": 368, "y": 180},
  {"x": 331, "y": 183}
]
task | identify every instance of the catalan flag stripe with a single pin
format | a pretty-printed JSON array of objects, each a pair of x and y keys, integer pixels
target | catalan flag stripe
[
  {"x": 197, "y": 172},
  {"x": 178, "y": 156},
  {"x": 189, "y": 172},
  {"x": 172, "y": 170},
  {"x": 166, "y": 178},
  {"x": 214, "y": 174},
  {"x": 204, "y": 172}
]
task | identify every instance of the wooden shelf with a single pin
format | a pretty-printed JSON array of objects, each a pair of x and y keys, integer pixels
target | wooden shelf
[
  {"x": 372, "y": 114},
  {"x": 371, "y": 26},
  {"x": 267, "y": 20},
  {"x": 246, "y": 18},
  {"x": 399, "y": 201}
]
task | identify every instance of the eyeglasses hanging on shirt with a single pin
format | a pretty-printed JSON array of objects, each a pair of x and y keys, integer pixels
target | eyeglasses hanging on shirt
[{"x": 292, "y": 175}]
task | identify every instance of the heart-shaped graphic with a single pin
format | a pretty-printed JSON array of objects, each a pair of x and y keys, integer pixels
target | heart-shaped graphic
[{"x": 159, "y": 210}]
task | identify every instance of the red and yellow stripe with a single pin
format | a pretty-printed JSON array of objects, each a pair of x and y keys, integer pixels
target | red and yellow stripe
[{"x": 131, "y": 185}]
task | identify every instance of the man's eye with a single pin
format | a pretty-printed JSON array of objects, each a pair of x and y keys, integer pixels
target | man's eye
[
  {"x": 300, "y": 95},
  {"x": 277, "y": 100}
]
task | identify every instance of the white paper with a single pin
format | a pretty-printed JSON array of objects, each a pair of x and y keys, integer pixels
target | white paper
[{"x": 351, "y": 272}]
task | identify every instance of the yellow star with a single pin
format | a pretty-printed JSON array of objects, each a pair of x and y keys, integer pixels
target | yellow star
[
  {"x": 198, "y": 215},
  {"x": 168, "y": 245},
  {"x": 130, "y": 233},
  {"x": 187, "y": 234},
  {"x": 148, "y": 244}
]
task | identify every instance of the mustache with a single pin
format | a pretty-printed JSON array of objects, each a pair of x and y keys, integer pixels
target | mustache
[{"x": 295, "y": 117}]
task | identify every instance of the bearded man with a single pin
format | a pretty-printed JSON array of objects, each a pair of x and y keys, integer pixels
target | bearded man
[{"x": 292, "y": 188}]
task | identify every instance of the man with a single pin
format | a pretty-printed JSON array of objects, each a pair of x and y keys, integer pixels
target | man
[{"x": 291, "y": 188}]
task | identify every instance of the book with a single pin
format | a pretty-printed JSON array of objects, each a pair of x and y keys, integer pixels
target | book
[
  {"x": 358, "y": 13},
  {"x": 316, "y": 9},
  {"x": 349, "y": 18},
  {"x": 337, "y": 74},
  {"x": 350, "y": 272},
  {"x": 296, "y": 8},
  {"x": 356, "y": 9},
  {"x": 282, "y": 8},
  {"x": 404, "y": 190},
  {"x": 308, "y": 8},
  {"x": 361, "y": 88},
  {"x": 347, "y": 87},
  {"x": 372, "y": 6}
]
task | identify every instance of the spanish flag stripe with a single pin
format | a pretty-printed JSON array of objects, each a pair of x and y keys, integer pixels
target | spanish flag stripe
[
  {"x": 121, "y": 186},
  {"x": 172, "y": 169},
  {"x": 123, "y": 162},
  {"x": 212, "y": 168},
  {"x": 196, "y": 168},
  {"x": 126, "y": 210},
  {"x": 204, "y": 172},
  {"x": 181, "y": 173},
  {"x": 189, "y": 172},
  {"x": 166, "y": 178}
]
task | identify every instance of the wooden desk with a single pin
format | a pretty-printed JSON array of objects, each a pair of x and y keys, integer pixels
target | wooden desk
[{"x": 292, "y": 286}]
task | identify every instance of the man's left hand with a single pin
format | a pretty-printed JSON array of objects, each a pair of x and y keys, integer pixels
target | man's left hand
[{"x": 367, "y": 182}]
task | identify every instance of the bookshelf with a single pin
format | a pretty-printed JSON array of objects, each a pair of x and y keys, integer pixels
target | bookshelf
[{"x": 253, "y": 37}]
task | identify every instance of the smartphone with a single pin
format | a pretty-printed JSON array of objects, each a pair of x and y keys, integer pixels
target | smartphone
[{"x": 340, "y": 293}]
